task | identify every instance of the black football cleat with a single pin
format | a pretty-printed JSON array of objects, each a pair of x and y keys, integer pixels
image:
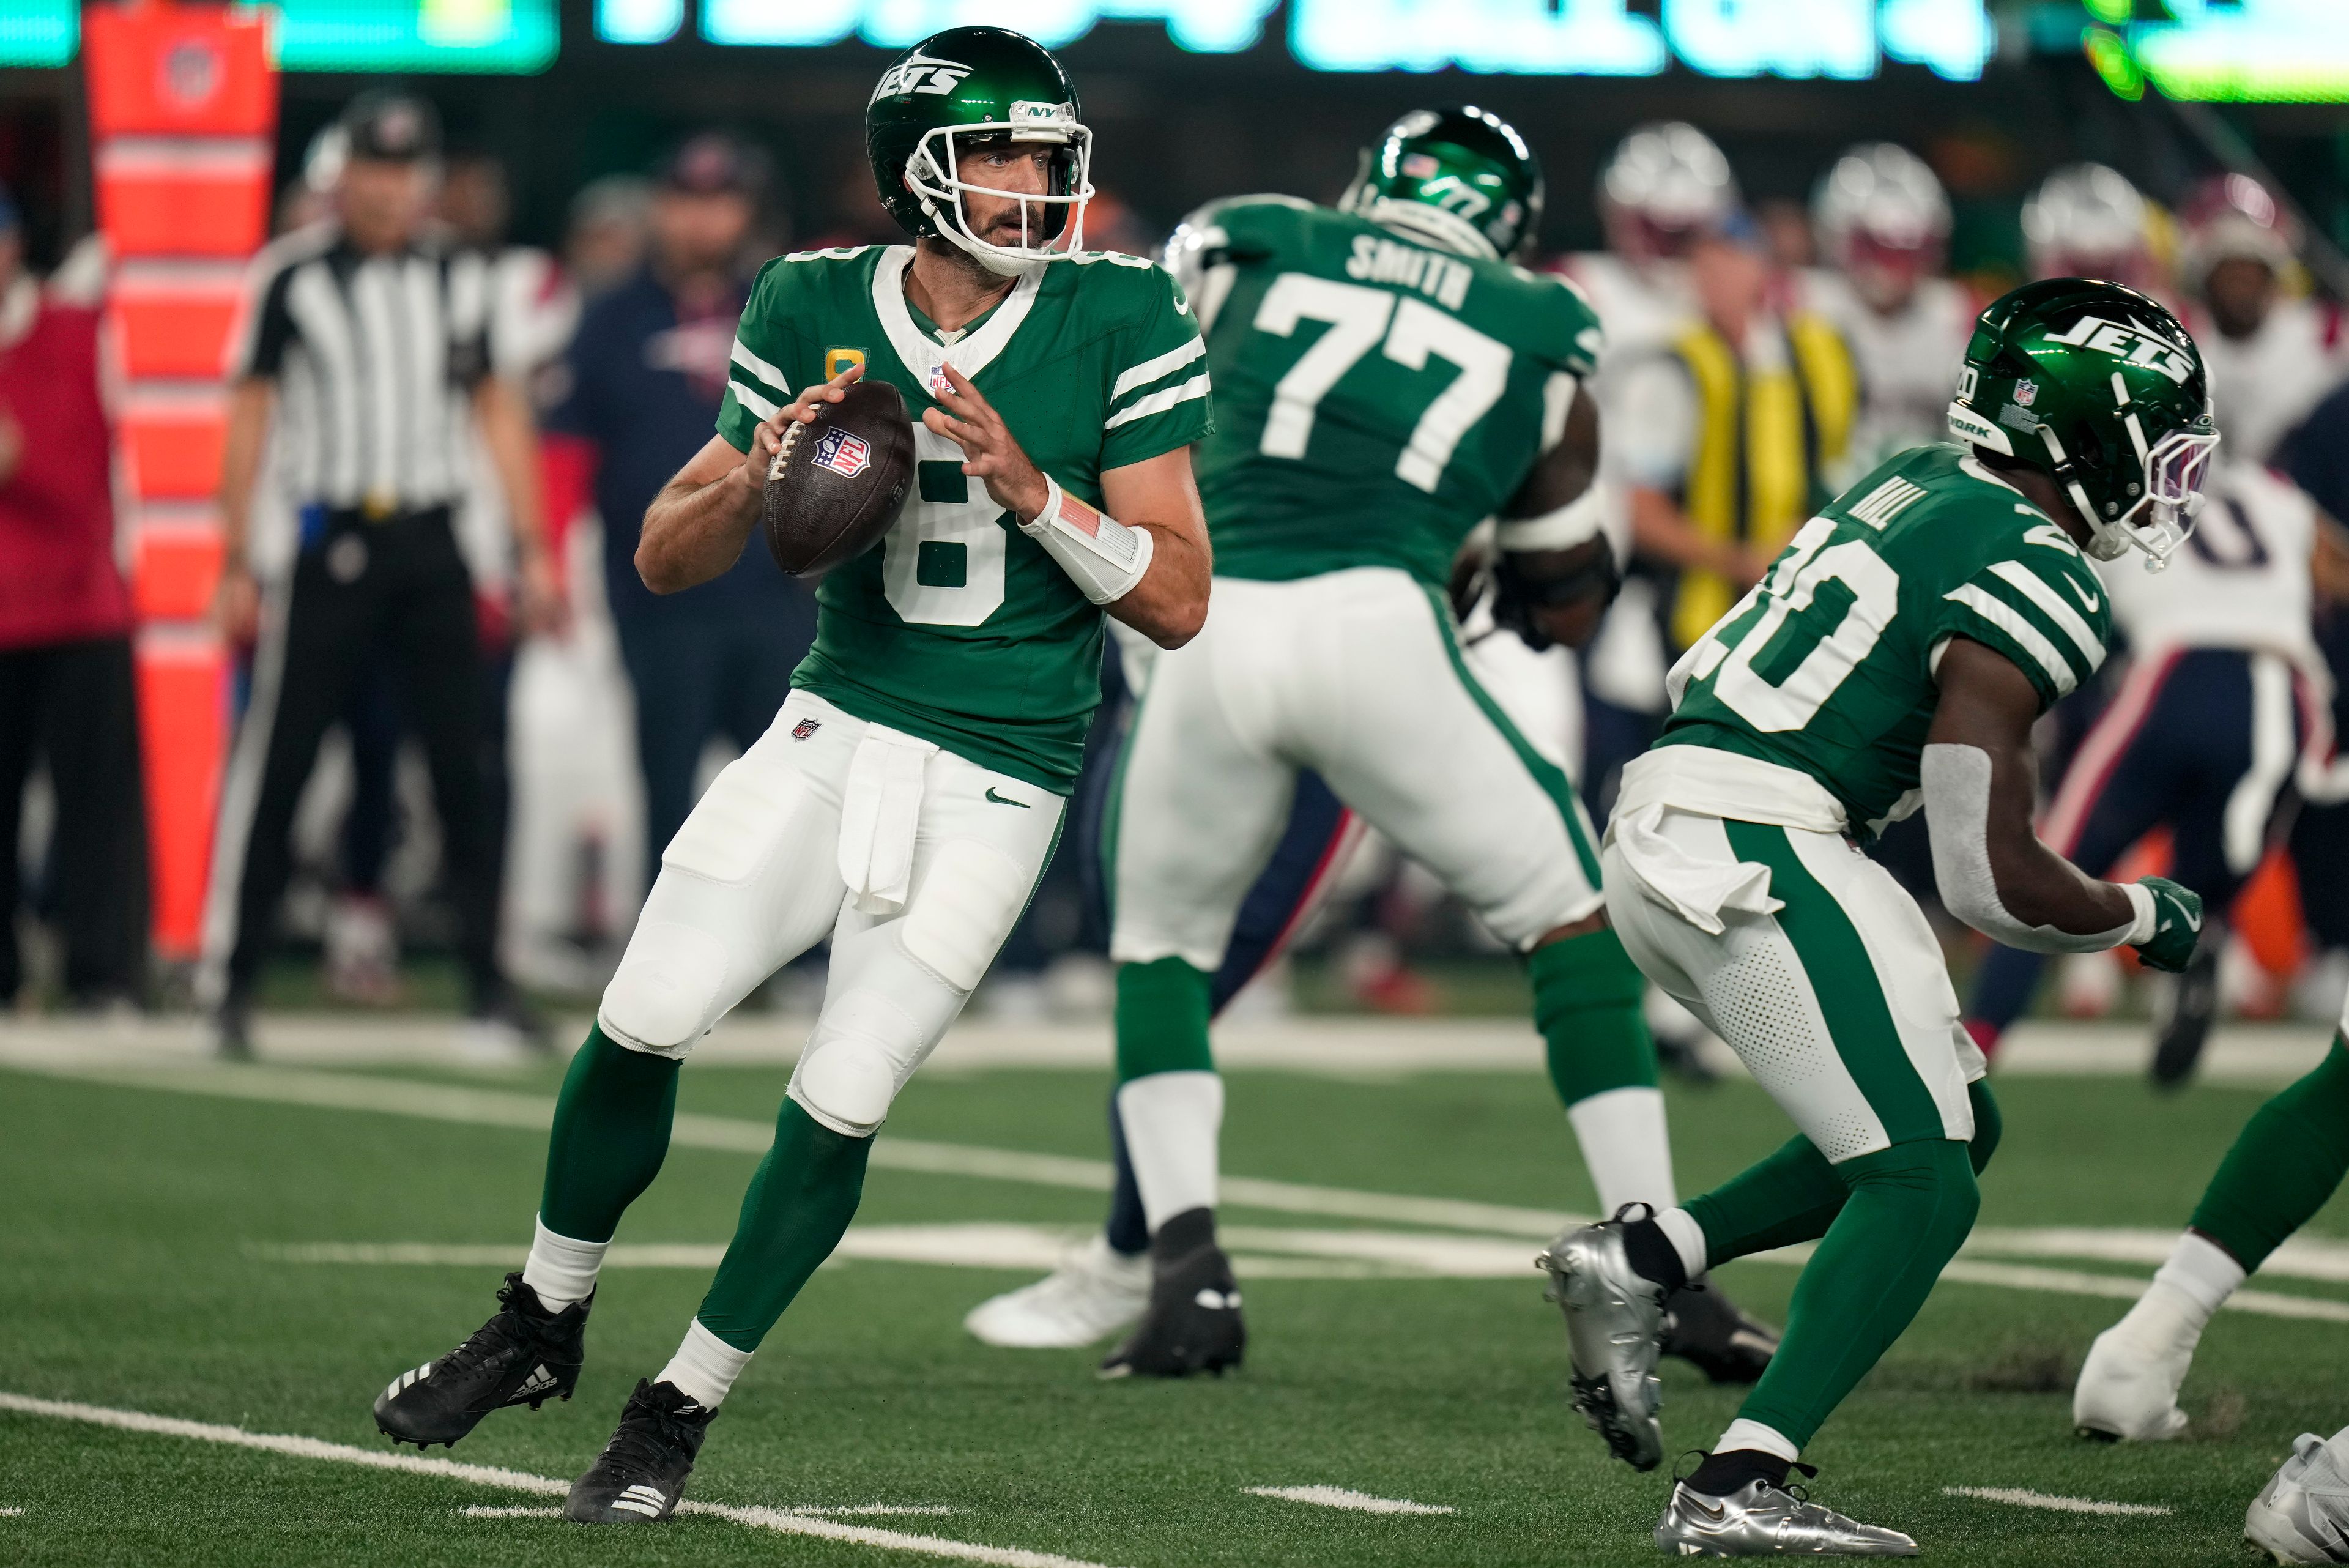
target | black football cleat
[
  {"x": 2193, "y": 1003},
  {"x": 1192, "y": 1323},
  {"x": 524, "y": 1355},
  {"x": 640, "y": 1475},
  {"x": 1707, "y": 1330}
]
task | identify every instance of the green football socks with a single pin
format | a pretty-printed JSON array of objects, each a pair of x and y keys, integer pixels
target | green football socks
[
  {"x": 799, "y": 1204},
  {"x": 2285, "y": 1164},
  {"x": 1162, "y": 1019},
  {"x": 611, "y": 1134},
  {"x": 1793, "y": 1195},
  {"x": 1909, "y": 1209},
  {"x": 1586, "y": 996}
]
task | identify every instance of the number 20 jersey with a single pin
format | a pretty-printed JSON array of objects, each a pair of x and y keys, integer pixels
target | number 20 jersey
[
  {"x": 1828, "y": 665},
  {"x": 1375, "y": 399}
]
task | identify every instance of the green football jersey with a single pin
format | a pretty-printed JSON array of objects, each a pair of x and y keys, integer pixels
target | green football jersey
[
  {"x": 1375, "y": 398},
  {"x": 959, "y": 628},
  {"x": 1827, "y": 665}
]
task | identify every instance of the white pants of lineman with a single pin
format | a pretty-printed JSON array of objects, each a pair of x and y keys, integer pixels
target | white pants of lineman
[
  {"x": 916, "y": 862},
  {"x": 1357, "y": 674}
]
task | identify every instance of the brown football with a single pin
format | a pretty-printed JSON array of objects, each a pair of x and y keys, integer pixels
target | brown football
[{"x": 837, "y": 483}]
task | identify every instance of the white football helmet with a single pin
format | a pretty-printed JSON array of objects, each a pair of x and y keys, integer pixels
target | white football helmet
[
  {"x": 1667, "y": 183},
  {"x": 2086, "y": 220},
  {"x": 1882, "y": 220}
]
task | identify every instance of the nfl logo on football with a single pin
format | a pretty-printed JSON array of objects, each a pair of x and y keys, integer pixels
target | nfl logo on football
[{"x": 846, "y": 455}]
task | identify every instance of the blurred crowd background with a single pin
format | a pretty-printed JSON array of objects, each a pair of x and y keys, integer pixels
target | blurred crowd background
[{"x": 1821, "y": 244}]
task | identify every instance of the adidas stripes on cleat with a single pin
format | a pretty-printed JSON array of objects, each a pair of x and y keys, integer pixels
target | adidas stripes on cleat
[
  {"x": 1192, "y": 1323},
  {"x": 640, "y": 1475},
  {"x": 524, "y": 1355}
]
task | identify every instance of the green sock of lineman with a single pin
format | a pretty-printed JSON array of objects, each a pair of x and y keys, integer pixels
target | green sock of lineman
[
  {"x": 1587, "y": 1003},
  {"x": 611, "y": 1134},
  {"x": 1909, "y": 1209},
  {"x": 1795, "y": 1194},
  {"x": 2285, "y": 1164},
  {"x": 801, "y": 1201},
  {"x": 1170, "y": 1100}
]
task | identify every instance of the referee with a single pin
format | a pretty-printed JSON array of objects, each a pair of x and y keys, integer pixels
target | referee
[{"x": 363, "y": 360}]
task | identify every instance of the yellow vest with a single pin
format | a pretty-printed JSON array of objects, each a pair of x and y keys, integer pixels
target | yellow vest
[{"x": 1764, "y": 437}]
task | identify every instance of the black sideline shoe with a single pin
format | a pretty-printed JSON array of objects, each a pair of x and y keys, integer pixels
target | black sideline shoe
[{"x": 524, "y": 1355}]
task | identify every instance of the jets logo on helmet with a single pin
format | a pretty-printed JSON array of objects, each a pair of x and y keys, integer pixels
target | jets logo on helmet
[
  {"x": 2130, "y": 342},
  {"x": 967, "y": 87},
  {"x": 2102, "y": 390},
  {"x": 1460, "y": 179},
  {"x": 918, "y": 72}
]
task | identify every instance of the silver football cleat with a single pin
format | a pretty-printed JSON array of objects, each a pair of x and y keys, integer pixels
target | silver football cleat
[
  {"x": 2301, "y": 1515},
  {"x": 1759, "y": 1519},
  {"x": 1614, "y": 1332}
]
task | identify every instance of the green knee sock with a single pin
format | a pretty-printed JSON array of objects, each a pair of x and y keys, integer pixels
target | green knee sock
[
  {"x": 611, "y": 1134},
  {"x": 1586, "y": 996},
  {"x": 799, "y": 1204},
  {"x": 1162, "y": 1019},
  {"x": 1795, "y": 1194},
  {"x": 1910, "y": 1208},
  {"x": 2285, "y": 1164}
]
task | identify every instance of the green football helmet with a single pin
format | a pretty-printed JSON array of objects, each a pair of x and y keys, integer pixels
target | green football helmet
[
  {"x": 2101, "y": 388},
  {"x": 973, "y": 86},
  {"x": 1459, "y": 177}
]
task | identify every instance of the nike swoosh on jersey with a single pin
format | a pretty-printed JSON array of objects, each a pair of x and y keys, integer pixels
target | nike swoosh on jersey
[
  {"x": 2089, "y": 598},
  {"x": 1004, "y": 799}
]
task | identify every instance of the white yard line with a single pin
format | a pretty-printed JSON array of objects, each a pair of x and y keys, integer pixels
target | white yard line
[
  {"x": 2020, "y": 1498},
  {"x": 12, "y": 1514},
  {"x": 783, "y": 1521},
  {"x": 1338, "y": 1497},
  {"x": 1491, "y": 1223},
  {"x": 1340, "y": 1047},
  {"x": 482, "y": 1510}
]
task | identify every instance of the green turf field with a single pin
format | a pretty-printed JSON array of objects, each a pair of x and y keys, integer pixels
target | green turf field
[{"x": 186, "y": 1241}]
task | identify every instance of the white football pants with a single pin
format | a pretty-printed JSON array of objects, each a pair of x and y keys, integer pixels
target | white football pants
[
  {"x": 1358, "y": 676},
  {"x": 916, "y": 862}
]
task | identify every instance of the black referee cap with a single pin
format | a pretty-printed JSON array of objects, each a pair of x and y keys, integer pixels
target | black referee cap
[{"x": 391, "y": 127}]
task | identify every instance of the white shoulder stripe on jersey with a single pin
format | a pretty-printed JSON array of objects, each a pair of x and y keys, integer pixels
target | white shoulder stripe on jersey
[
  {"x": 2035, "y": 587},
  {"x": 752, "y": 400},
  {"x": 1151, "y": 369},
  {"x": 2026, "y": 636},
  {"x": 775, "y": 378},
  {"x": 1159, "y": 402}
]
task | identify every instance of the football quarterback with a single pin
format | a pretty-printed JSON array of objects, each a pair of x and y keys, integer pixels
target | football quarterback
[
  {"x": 1896, "y": 653},
  {"x": 1386, "y": 377},
  {"x": 910, "y": 792}
]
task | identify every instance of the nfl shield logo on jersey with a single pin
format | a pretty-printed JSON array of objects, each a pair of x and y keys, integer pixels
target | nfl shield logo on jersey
[
  {"x": 938, "y": 383},
  {"x": 846, "y": 455},
  {"x": 804, "y": 728}
]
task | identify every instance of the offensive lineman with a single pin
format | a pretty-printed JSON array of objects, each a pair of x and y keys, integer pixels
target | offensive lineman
[
  {"x": 1896, "y": 654},
  {"x": 1389, "y": 378},
  {"x": 909, "y": 794}
]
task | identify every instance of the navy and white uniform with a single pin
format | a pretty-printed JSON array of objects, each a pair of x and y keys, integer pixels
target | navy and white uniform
[
  {"x": 2263, "y": 385},
  {"x": 2224, "y": 707}
]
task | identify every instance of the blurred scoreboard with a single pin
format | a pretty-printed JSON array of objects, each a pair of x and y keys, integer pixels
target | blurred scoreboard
[
  {"x": 2202, "y": 49},
  {"x": 506, "y": 37}
]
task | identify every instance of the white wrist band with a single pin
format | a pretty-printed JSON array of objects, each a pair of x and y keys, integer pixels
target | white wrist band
[
  {"x": 2148, "y": 911},
  {"x": 1101, "y": 556}
]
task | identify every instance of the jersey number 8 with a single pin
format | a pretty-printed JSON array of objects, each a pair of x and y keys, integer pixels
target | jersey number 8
[{"x": 1358, "y": 317}]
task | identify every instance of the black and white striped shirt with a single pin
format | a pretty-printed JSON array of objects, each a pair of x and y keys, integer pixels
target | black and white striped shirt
[{"x": 374, "y": 357}]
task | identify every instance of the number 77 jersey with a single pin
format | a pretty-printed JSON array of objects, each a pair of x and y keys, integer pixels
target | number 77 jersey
[
  {"x": 1375, "y": 398},
  {"x": 1826, "y": 667}
]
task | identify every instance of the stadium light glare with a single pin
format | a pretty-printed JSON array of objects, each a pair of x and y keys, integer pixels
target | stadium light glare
[{"x": 639, "y": 21}]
